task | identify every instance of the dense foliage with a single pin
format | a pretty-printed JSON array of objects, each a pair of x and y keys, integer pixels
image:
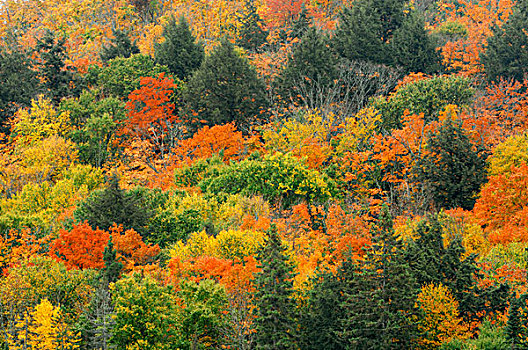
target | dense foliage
[{"x": 263, "y": 174}]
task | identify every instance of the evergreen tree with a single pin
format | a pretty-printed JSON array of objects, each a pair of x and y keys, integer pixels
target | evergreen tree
[
  {"x": 430, "y": 261},
  {"x": 225, "y": 89},
  {"x": 120, "y": 46},
  {"x": 412, "y": 48},
  {"x": 56, "y": 76},
  {"x": 179, "y": 51},
  {"x": 310, "y": 71},
  {"x": 506, "y": 55},
  {"x": 380, "y": 300},
  {"x": 320, "y": 320},
  {"x": 252, "y": 36},
  {"x": 365, "y": 29},
  {"x": 358, "y": 35},
  {"x": 19, "y": 85},
  {"x": 112, "y": 269},
  {"x": 113, "y": 205},
  {"x": 453, "y": 170},
  {"x": 275, "y": 322}
]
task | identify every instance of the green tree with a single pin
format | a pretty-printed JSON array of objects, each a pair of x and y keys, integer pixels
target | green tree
[
  {"x": 427, "y": 96},
  {"x": 179, "y": 51},
  {"x": 122, "y": 75},
  {"x": 310, "y": 72},
  {"x": 252, "y": 35},
  {"x": 430, "y": 261},
  {"x": 358, "y": 35},
  {"x": 506, "y": 55},
  {"x": 113, "y": 205},
  {"x": 516, "y": 330},
  {"x": 146, "y": 316},
  {"x": 225, "y": 89},
  {"x": 380, "y": 300},
  {"x": 365, "y": 29},
  {"x": 120, "y": 46},
  {"x": 202, "y": 319},
  {"x": 321, "y": 318},
  {"x": 453, "y": 168},
  {"x": 276, "y": 314},
  {"x": 57, "y": 77},
  {"x": 19, "y": 85},
  {"x": 412, "y": 48}
]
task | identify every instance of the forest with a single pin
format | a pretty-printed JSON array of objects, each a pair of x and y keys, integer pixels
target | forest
[{"x": 263, "y": 174}]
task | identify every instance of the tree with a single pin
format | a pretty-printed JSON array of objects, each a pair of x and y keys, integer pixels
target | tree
[
  {"x": 452, "y": 168},
  {"x": 202, "y": 317},
  {"x": 379, "y": 303},
  {"x": 310, "y": 72},
  {"x": 44, "y": 329},
  {"x": 81, "y": 248},
  {"x": 225, "y": 89},
  {"x": 516, "y": 330},
  {"x": 145, "y": 314},
  {"x": 275, "y": 323},
  {"x": 412, "y": 48},
  {"x": 507, "y": 53},
  {"x": 358, "y": 35},
  {"x": 439, "y": 321},
  {"x": 365, "y": 29},
  {"x": 152, "y": 114},
  {"x": 112, "y": 205},
  {"x": 252, "y": 35},
  {"x": 179, "y": 51},
  {"x": 19, "y": 85},
  {"x": 122, "y": 75},
  {"x": 120, "y": 46},
  {"x": 58, "y": 78}
]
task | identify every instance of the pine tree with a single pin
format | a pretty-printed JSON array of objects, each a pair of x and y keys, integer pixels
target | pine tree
[
  {"x": 310, "y": 71},
  {"x": 321, "y": 318},
  {"x": 365, "y": 29},
  {"x": 380, "y": 299},
  {"x": 358, "y": 36},
  {"x": 412, "y": 48},
  {"x": 252, "y": 36},
  {"x": 301, "y": 24},
  {"x": 453, "y": 169},
  {"x": 275, "y": 322},
  {"x": 120, "y": 46},
  {"x": 506, "y": 55},
  {"x": 113, "y": 205},
  {"x": 179, "y": 51},
  {"x": 225, "y": 89},
  {"x": 112, "y": 268},
  {"x": 56, "y": 76}
]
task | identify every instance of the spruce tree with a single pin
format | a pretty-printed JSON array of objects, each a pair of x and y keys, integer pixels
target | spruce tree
[
  {"x": 225, "y": 89},
  {"x": 380, "y": 300},
  {"x": 252, "y": 36},
  {"x": 454, "y": 169},
  {"x": 516, "y": 332},
  {"x": 358, "y": 36},
  {"x": 179, "y": 51},
  {"x": 310, "y": 71},
  {"x": 56, "y": 76},
  {"x": 120, "y": 46},
  {"x": 113, "y": 205},
  {"x": 365, "y": 29},
  {"x": 275, "y": 321},
  {"x": 412, "y": 48},
  {"x": 506, "y": 55}
]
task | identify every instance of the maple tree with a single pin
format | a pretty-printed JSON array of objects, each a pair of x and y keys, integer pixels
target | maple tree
[{"x": 82, "y": 247}]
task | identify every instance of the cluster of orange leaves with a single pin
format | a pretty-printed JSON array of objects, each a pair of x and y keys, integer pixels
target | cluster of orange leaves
[{"x": 83, "y": 247}]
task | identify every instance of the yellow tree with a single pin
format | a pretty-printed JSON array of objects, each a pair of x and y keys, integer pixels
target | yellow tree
[
  {"x": 439, "y": 321},
  {"x": 44, "y": 329}
]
